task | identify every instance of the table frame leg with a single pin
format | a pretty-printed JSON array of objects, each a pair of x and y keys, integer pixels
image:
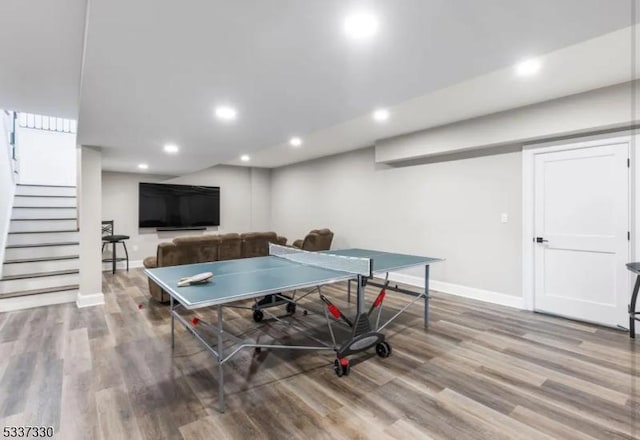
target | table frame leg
[
  {"x": 360, "y": 295},
  {"x": 173, "y": 320},
  {"x": 426, "y": 296},
  {"x": 220, "y": 358}
]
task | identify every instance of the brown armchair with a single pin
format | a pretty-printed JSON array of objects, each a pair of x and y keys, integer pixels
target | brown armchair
[{"x": 316, "y": 240}]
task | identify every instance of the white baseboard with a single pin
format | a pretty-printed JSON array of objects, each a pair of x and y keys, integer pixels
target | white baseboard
[
  {"x": 89, "y": 300},
  {"x": 30, "y": 301},
  {"x": 122, "y": 265},
  {"x": 502, "y": 299}
]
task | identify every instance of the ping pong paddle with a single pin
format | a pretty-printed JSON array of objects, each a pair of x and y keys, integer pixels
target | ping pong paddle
[{"x": 195, "y": 279}]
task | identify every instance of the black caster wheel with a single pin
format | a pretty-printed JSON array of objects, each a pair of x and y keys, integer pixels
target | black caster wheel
[
  {"x": 291, "y": 308},
  {"x": 383, "y": 349},
  {"x": 258, "y": 315},
  {"x": 304, "y": 312},
  {"x": 341, "y": 367},
  {"x": 258, "y": 350}
]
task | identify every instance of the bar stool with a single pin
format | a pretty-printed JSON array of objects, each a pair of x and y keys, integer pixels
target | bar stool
[
  {"x": 108, "y": 237},
  {"x": 634, "y": 315}
]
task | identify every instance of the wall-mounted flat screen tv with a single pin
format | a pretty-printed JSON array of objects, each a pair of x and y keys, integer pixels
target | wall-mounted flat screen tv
[{"x": 178, "y": 206}]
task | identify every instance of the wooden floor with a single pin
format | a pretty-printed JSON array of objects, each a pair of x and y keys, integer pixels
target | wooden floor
[{"x": 480, "y": 371}]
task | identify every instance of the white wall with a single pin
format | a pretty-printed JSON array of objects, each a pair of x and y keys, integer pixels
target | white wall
[
  {"x": 450, "y": 209},
  {"x": 46, "y": 157},
  {"x": 601, "y": 109},
  {"x": 90, "y": 217},
  {"x": 7, "y": 183},
  {"x": 245, "y": 204},
  {"x": 260, "y": 179}
]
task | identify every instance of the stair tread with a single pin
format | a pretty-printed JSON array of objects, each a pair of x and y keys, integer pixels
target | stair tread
[
  {"x": 62, "y": 243},
  {"x": 39, "y": 291},
  {"x": 46, "y": 195},
  {"x": 40, "y": 219},
  {"x": 40, "y": 274},
  {"x": 43, "y": 232},
  {"x": 45, "y": 186},
  {"x": 41, "y": 259},
  {"x": 44, "y": 207}
]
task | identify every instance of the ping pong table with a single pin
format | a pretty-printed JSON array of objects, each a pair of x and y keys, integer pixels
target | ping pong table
[{"x": 289, "y": 270}]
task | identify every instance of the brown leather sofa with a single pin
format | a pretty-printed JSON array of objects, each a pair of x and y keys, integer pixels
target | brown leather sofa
[
  {"x": 208, "y": 247},
  {"x": 316, "y": 240}
]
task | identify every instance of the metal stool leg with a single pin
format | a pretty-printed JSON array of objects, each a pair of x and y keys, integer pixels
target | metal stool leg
[
  {"x": 632, "y": 309},
  {"x": 113, "y": 257},
  {"x": 126, "y": 254}
]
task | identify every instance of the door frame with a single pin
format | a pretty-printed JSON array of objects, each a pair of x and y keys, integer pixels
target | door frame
[{"x": 529, "y": 153}]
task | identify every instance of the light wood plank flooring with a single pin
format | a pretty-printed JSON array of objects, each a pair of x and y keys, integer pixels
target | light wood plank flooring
[{"x": 479, "y": 372}]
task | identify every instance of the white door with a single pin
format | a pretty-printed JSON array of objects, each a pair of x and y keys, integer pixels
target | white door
[{"x": 581, "y": 222}]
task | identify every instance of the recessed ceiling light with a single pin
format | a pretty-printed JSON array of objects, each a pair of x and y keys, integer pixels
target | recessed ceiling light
[
  {"x": 226, "y": 113},
  {"x": 245, "y": 158},
  {"x": 381, "y": 115},
  {"x": 361, "y": 25},
  {"x": 171, "y": 148},
  {"x": 528, "y": 67},
  {"x": 143, "y": 166},
  {"x": 295, "y": 141}
]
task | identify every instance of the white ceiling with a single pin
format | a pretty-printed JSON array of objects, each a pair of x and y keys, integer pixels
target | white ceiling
[
  {"x": 40, "y": 55},
  {"x": 592, "y": 64},
  {"x": 154, "y": 69}
]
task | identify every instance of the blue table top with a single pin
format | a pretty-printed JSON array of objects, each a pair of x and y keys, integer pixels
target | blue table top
[{"x": 235, "y": 280}]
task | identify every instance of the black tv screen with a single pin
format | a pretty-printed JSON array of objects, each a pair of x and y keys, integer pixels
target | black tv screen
[{"x": 178, "y": 206}]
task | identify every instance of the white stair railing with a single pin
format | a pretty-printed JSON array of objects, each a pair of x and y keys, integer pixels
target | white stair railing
[{"x": 40, "y": 122}]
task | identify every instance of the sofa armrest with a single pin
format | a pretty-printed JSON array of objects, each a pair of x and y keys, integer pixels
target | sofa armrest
[
  {"x": 150, "y": 262},
  {"x": 298, "y": 244},
  {"x": 155, "y": 291}
]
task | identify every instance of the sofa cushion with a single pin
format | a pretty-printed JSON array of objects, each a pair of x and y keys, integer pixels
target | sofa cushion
[
  {"x": 197, "y": 249},
  {"x": 230, "y": 247},
  {"x": 256, "y": 244}
]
